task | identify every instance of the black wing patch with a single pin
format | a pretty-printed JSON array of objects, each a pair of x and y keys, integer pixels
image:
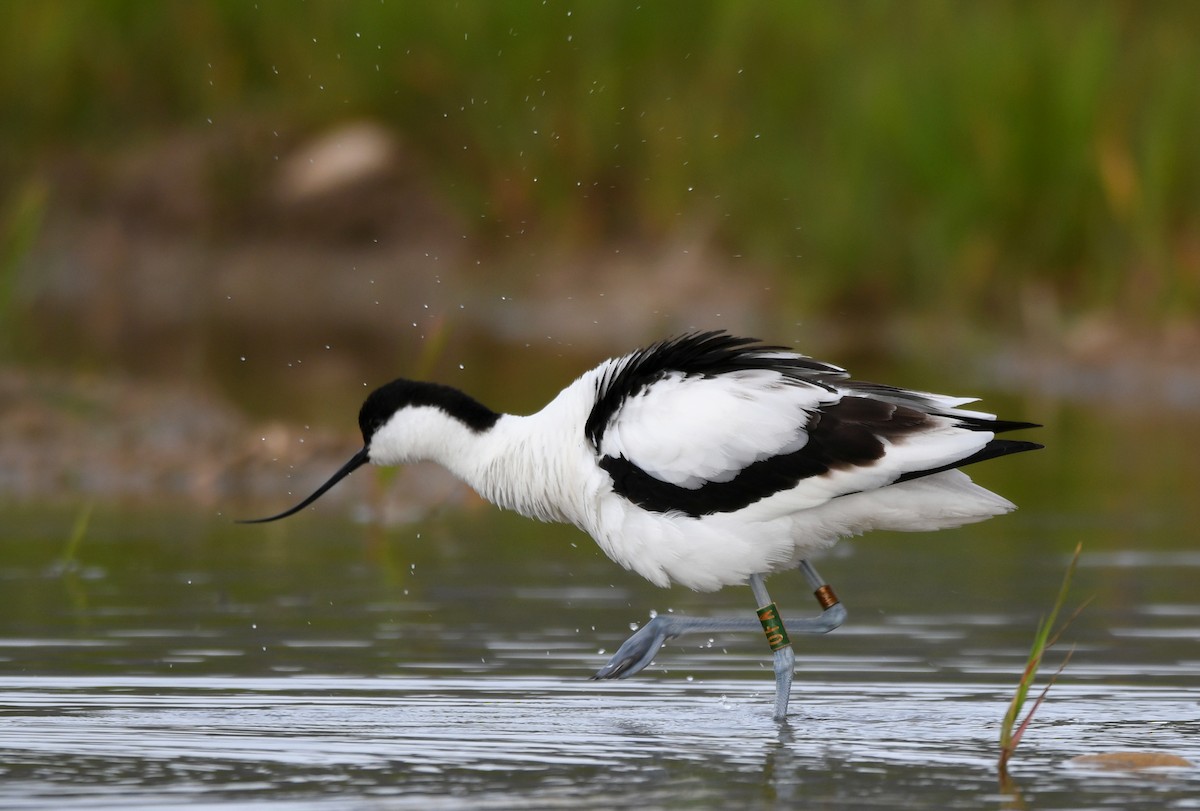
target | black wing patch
[{"x": 844, "y": 435}]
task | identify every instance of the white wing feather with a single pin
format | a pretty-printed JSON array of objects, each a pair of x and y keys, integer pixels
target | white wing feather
[{"x": 690, "y": 430}]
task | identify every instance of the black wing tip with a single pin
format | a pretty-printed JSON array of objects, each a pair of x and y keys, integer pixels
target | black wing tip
[
  {"x": 994, "y": 425},
  {"x": 1000, "y": 426},
  {"x": 1000, "y": 447},
  {"x": 1007, "y": 446},
  {"x": 993, "y": 450}
]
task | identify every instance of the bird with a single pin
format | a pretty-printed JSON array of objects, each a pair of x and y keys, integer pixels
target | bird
[{"x": 706, "y": 460}]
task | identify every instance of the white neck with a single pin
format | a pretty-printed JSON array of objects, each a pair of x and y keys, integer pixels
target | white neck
[
  {"x": 527, "y": 464},
  {"x": 520, "y": 468}
]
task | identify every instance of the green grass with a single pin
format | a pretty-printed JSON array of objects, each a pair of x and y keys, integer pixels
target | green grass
[
  {"x": 1010, "y": 731},
  {"x": 20, "y": 222},
  {"x": 68, "y": 562},
  {"x": 929, "y": 156}
]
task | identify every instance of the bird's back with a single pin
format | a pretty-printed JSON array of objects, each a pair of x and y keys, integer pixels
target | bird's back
[{"x": 724, "y": 457}]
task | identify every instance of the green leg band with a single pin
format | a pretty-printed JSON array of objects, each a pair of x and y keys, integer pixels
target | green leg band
[{"x": 772, "y": 625}]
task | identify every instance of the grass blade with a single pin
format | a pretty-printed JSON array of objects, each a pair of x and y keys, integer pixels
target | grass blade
[{"x": 1010, "y": 733}]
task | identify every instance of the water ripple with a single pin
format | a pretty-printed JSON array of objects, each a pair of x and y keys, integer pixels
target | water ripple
[{"x": 153, "y": 741}]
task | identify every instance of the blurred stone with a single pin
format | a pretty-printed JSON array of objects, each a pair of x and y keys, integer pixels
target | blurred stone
[
  {"x": 346, "y": 157},
  {"x": 357, "y": 184}
]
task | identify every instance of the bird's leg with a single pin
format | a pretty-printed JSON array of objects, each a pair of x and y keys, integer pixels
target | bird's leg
[
  {"x": 832, "y": 616},
  {"x": 638, "y": 651},
  {"x": 777, "y": 638},
  {"x": 833, "y": 613}
]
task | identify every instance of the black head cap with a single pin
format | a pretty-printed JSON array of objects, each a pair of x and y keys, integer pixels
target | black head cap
[{"x": 389, "y": 398}]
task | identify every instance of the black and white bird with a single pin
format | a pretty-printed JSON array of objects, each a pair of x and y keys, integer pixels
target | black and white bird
[{"x": 706, "y": 460}]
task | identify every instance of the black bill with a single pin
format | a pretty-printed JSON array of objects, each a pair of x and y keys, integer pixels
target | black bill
[{"x": 358, "y": 460}]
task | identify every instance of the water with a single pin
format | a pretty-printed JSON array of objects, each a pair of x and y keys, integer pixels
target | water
[
  {"x": 173, "y": 659},
  {"x": 548, "y": 742}
]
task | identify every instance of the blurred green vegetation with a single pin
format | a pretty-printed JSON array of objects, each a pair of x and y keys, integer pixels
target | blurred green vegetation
[
  {"x": 20, "y": 219},
  {"x": 928, "y": 156}
]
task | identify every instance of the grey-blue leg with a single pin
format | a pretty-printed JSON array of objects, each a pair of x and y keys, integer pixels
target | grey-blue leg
[
  {"x": 639, "y": 650},
  {"x": 781, "y": 646}
]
